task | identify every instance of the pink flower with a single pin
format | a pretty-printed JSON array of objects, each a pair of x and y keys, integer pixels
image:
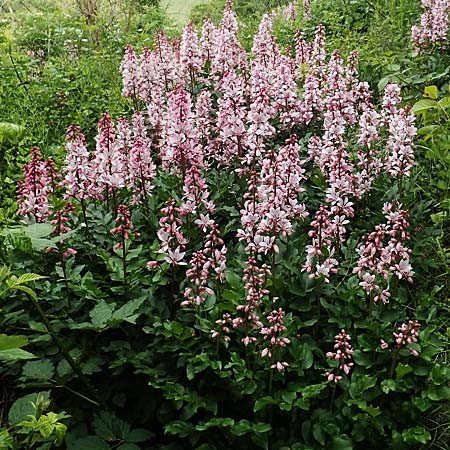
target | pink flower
[
  {"x": 343, "y": 354},
  {"x": 34, "y": 190},
  {"x": 124, "y": 228}
]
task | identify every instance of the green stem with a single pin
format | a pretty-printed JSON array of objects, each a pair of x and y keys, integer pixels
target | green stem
[{"x": 67, "y": 357}]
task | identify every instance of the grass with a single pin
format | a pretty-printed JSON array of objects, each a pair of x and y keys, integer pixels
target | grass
[{"x": 179, "y": 10}]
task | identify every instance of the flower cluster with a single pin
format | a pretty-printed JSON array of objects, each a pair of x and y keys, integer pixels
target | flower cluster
[
  {"x": 124, "y": 228},
  {"x": 383, "y": 252},
  {"x": 272, "y": 335},
  {"x": 343, "y": 354},
  {"x": 407, "y": 333},
  {"x": 254, "y": 280},
  {"x": 33, "y": 192},
  {"x": 434, "y": 24},
  {"x": 173, "y": 242}
]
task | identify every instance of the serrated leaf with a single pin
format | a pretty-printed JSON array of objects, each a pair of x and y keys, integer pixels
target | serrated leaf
[
  {"x": 28, "y": 278},
  {"x": 109, "y": 427},
  {"x": 42, "y": 369},
  {"x": 101, "y": 314},
  {"x": 89, "y": 443},
  {"x": 126, "y": 312}
]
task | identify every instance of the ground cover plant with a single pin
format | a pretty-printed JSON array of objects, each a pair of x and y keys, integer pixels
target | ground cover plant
[{"x": 244, "y": 259}]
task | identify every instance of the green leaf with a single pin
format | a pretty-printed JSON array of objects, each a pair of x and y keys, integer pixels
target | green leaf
[
  {"x": 101, "y": 314},
  {"x": 403, "y": 369},
  {"x": 140, "y": 435},
  {"x": 234, "y": 280},
  {"x": 388, "y": 386},
  {"x": 437, "y": 393},
  {"x": 10, "y": 132},
  {"x": 340, "y": 443},
  {"x": 263, "y": 402},
  {"x": 242, "y": 427},
  {"x": 109, "y": 427},
  {"x": 440, "y": 374},
  {"x": 23, "y": 407},
  {"x": 42, "y": 369},
  {"x": 288, "y": 396},
  {"x": 6, "y": 440},
  {"x": 361, "y": 383},
  {"x": 444, "y": 102},
  {"x": 178, "y": 427},
  {"x": 319, "y": 434},
  {"x": 423, "y": 105},
  {"x": 313, "y": 390},
  {"x": 15, "y": 354},
  {"x": 220, "y": 422},
  {"x": 261, "y": 427},
  {"x": 126, "y": 312},
  {"x": 431, "y": 92},
  {"x": 128, "y": 446},
  {"x": 88, "y": 443},
  {"x": 28, "y": 278},
  {"x": 10, "y": 342},
  {"x": 196, "y": 365},
  {"x": 416, "y": 434}
]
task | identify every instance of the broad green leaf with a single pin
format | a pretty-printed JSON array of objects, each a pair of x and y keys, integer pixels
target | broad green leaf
[
  {"x": 340, "y": 443},
  {"x": 242, "y": 427},
  {"x": 424, "y": 105},
  {"x": 10, "y": 342},
  {"x": 261, "y": 403},
  {"x": 261, "y": 427},
  {"x": 319, "y": 434},
  {"x": 128, "y": 446},
  {"x": 416, "y": 434},
  {"x": 431, "y": 92},
  {"x": 313, "y": 390},
  {"x": 126, "y": 312},
  {"x": 388, "y": 386},
  {"x": 361, "y": 383},
  {"x": 109, "y": 427},
  {"x": 140, "y": 435},
  {"x": 440, "y": 374},
  {"x": 23, "y": 407},
  {"x": 15, "y": 354},
  {"x": 437, "y": 393},
  {"x": 89, "y": 443},
  {"x": 403, "y": 369},
  {"x": 444, "y": 102},
  {"x": 42, "y": 369},
  {"x": 101, "y": 314}
]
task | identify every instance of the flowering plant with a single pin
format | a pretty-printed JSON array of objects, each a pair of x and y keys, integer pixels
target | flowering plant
[{"x": 243, "y": 245}]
